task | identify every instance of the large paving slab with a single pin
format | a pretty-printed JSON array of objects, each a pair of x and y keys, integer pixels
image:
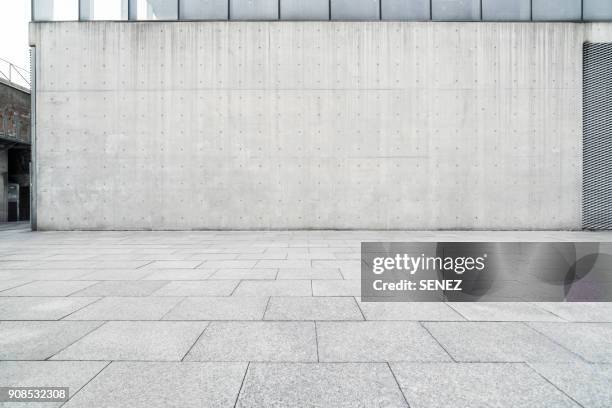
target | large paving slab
[
  {"x": 175, "y": 264},
  {"x": 313, "y": 308},
  {"x": 496, "y": 342},
  {"x": 135, "y": 341},
  {"x": 198, "y": 288},
  {"x": 588, "y": 384},
  {"x": 114, "y": 274},
  {"x": 247, "y": 274},
  {"x": 442, "y": 385},
  {"x": 269, "y": 385},
  {"x": 504, "y": 311},
  {"x": 580, "y": 312},
  {"x": 377, "y": 342},
  {"x": 256, "y": 341},
  {"x": 418, "y": 311},
  {"x": 308, "y": 273},
  {"x": 43, "y": 274},
  {"x": 127, "y": 308},
  {"x": 122, "y": 288},
  {"x": 71, "y": 374},
  {"x": 591, "y": 341},
  {"x": 338, "y": 287},
  {"x": 274, "y": 288},
  {"x": 161, "y": 385},
  {"x": 219, "y": 308},
  {"x": 39, "y": 340},
  {"x": 9, "y": 284},
  {"x": 41, "y": 308},
  {"x": 180, "y": 274},
  {"x": 48, "y": 288}
]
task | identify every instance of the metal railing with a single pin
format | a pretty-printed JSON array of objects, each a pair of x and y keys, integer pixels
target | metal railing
[{"x": 14, "y": 74}]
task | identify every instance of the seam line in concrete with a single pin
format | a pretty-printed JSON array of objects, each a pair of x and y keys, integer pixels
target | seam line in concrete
[
  {"x": 526, "y": 324},
  {"x": 242, "y": 384},
  {"x": 398, "y": 385},
  {"x": 358, "y": 307},
  {"x": 437, "y": 341},
  {"x": 317, "y": 340},
  {"x": 81, "y": 308},
  {"x": 77, "y": 340},
  {"x": 87, "y": 383},
  {"x": 266, "y": 308},
  {"x": 553, "y": 384},
  {"x": 173, "y": 307},
  {"x": 196, "y": 341}
]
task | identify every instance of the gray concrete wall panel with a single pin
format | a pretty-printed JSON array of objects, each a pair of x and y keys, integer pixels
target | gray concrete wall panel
[{"x": 257, "y": 125}]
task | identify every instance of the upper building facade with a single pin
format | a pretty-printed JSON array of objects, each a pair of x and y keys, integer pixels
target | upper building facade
[{"x": 269, "y": 10}]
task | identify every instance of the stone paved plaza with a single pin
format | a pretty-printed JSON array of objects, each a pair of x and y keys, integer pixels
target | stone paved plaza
[{"x": 274, "y": 319}]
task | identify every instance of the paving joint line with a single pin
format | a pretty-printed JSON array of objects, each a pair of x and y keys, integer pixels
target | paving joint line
[
  {"x": 437, "y": 341},
  {"x": 74, "y": 342},
  {"x": 263, "y": 318},
  {"x": 242, "y": 384},
  {"x": 358, "y": 307},
  {"x": 553, "y": 384},
  {"x": 172, "y": 308},
  {"x": 15, "y": 287},
  {"x": 81, "y": 308},
  {"x": 398, "y": 385},
  {"x": 86, "y": 384},
  {"x": 196, "y": 341},
  {"x": 317, "y": 340},
  {"x": 526, "y": 324}
]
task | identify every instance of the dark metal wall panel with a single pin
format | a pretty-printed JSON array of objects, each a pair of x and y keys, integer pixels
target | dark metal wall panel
[
  {"x": 254, "y": 10},
  {"x": 411, "y": 10},
  {"x": 204, "y": 9},
  {"x": 597, "y": 10},
  {"x": 304, "y": 9},
  {"x": 557, "y": 10},
  {"x": 597, "y": 142},
  {"x": 355, "y": 9},
  {"x": 456, "y": 10},
  {"x": 506, "y": 10}
]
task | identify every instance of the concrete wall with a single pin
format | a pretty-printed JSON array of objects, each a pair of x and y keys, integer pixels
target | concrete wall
[{"x": 260, "y": 125}]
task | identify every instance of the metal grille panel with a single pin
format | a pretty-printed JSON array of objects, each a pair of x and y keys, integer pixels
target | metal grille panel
[{"x": 597, "y": 171}]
